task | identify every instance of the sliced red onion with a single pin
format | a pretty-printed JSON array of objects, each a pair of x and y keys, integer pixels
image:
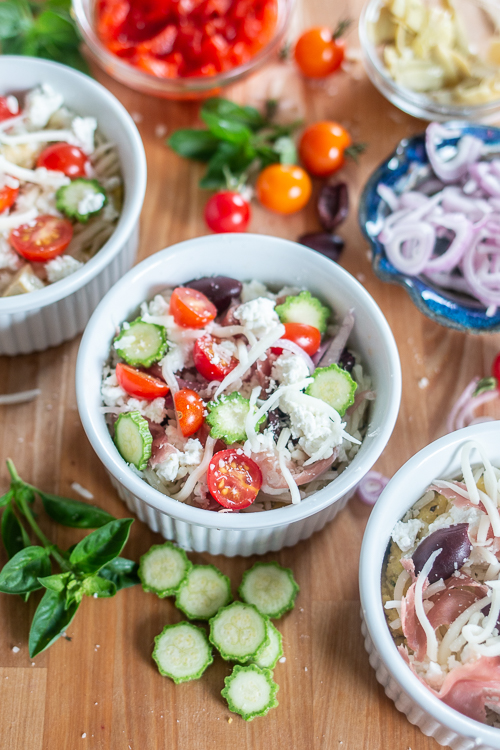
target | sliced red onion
[
  {"x": 410, "y": 246},
  {"x": 486, "y": 179},
  {"x": 447, "y": 281},
  {"x": 464, "y": 235},
  {"x": 389, "y": 196},
  {"x": 371, "y": 486},
  {"x": 337, "y": 346},
  {"x": 468, "y": 151},
  {"x": 296, "y": 349},
  {"x": 467, "y": 414},
  {"x": 316, "y": 358}
]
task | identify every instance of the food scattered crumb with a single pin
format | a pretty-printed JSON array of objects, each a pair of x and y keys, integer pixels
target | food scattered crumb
[
  {"x": 20, "y": 440},
  {"x": 82, "y": 491},
  {"x": 305, "y": 669},
  {"x": 16, "y": 649},
  {"x": 136, "y": 117},
  {"x": 282, "y": 660},
  {"x": 96, "y": 703},
  {"x": 84, "y": 735},
  {"x": 230, "y": 720},
  {"x": 49, "y": 407},
  {"x": 160, "y": 130},
  {"x": 32, "y": 663},
  {"x": 97, "y": 645},
  {"x": 423, "y": 383},
  {"x": 360, "y": 277}
]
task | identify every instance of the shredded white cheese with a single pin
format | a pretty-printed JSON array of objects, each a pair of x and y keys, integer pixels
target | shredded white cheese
[
  {"x": 39, "y": 176},
  {"x": 432, "y": 644},
  {"x": 287, "y": 474},
  {"x": 196, "y": 475}
]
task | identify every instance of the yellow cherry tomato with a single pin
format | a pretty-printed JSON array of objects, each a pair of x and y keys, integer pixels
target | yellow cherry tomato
[{"x": 284, "y": 188}]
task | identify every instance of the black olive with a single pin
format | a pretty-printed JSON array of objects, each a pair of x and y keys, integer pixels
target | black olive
[
  {"x": 327, "y": 244},
  {"x": 219, "y": 289},
  {"x": 333, "y": 205},
  {"x": 456, "y": 548}
]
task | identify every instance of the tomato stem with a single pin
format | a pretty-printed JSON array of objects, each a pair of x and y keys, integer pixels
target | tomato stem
[
  {"x": 341, "y": 28},
  {"x": 355, "y": 149}
]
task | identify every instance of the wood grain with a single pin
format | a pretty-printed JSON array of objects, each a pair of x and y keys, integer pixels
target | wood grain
[{"x": 101, "y": 681}]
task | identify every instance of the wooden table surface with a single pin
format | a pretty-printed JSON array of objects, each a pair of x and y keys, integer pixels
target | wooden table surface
[{"x": 100, "y": 688}]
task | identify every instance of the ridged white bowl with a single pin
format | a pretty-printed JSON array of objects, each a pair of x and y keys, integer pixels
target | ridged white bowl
[
  {"x": 35, "y": 321},
  {"x": 440, "y": 459},
  {"x": 276, "y": 262}
]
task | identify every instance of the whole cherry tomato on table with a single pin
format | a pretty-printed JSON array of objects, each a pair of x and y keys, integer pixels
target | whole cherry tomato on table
[
  {"x": 63, "y": 157},
  {"x": 233, "y": 479},
  {"x": 227, "y": 211},
  {"x": 43, "y": 239},
  {"x": 190, "y": 308},
  {"x": 140, "y": 384},
  {"x": 284, "y": 188},
  {"x": 8, "y": 196},
  {"x": 306, "y": 336},
  {"x": 322, "y": 147},
  {"x": 190, "y": 409},
  {"x": 319, "y": 51},
  {"x": 211, "y": 362}
]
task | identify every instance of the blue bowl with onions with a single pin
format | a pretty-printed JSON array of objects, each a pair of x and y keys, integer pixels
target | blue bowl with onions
[{"x": 431, "y": 213}]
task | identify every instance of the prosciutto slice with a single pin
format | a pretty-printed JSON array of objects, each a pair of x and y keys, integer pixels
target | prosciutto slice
[
  {"x": 470, "y": 687},
  {"x": 274, "y": 479}
]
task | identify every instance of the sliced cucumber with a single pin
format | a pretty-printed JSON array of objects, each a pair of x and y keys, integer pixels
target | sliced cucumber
[
  {"x": 182, "y": 652},
  {"x": 268, "y": 656},
  {"x": 250, "y": 691},
  {"x": 238, "y": 632},
  {"x": 141, "y": 343},
  {"x": 226, "y": 417},
  {"x": 163, "y": 568},
  {"x": 133, "y": 439},
  {"x": 270, "y": 588},
  {"x": 203, "y": 592},
  {"x": 304, "y": 308},
  {"x": 334, "y": 386},
  {"x": 81, "y": 199}
]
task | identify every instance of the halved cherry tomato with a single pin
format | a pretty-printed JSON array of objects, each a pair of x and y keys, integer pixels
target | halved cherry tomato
[
  {"x": 227, "y": 212},
  {"x": 43, "y": 239},
  {"x": 284, "y": 188},
  {"x": 322, "y": 146},
  {"x": 190, "y": 411},
  {"x": 307, "y": 337},
  {"x": 7, "y": 197},
  {"x": 6, "y": 108},
  {"x": 190, "y": 308},
  {"x": 233, "y": 479},
  {"x": 140, "y": 384},
  {"x": 63, "y": 157},
  {"x": 210, "y": 363},
  {"x": 319, "y": 52},
  {"x": 495, "y": 369}
]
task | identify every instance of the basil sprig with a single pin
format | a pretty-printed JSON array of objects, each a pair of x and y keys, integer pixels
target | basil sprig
[
  {"x": 92, "y": 567},
  {"x": 237, "y": 140}
]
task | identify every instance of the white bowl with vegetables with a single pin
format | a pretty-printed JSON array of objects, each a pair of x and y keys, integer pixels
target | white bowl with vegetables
[
  {"x": 429, "y": 581},
  {"x": 239, "y": 388},
  {"x": 72, "y": 183}
]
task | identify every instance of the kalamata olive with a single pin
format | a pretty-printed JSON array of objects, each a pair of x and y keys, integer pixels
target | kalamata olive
[
  {"x": 456, "y": 546},
  {"x": 327, "y": 244},
  {"x": 218, "y": 289},
  {"x": 347, "y": 360},
  {"x": 333, "y": 205}
]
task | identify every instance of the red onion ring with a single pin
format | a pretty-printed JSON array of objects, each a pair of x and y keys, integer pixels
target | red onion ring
[
  {"x": 337, "y": 346},
  {"x": 371, "y": 486},
  {"x": 469, "y": 149}
]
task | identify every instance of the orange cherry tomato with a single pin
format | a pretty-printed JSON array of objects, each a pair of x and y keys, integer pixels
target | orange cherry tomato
[
  {"x": 63, "y": 157},
  {"x": 233, "y": 479},
  {"x": 140, "y": 384},
  {"x": 190, "y": 308},
  {"x": 284, "y": 188},
  {"x": 319, "y": 52},
  {"x": 305, "y": 336},
  {"x": 8, "y": 196},
  {"x": 209, "y": 362},
  {"x": 322, "y": 146},
  {"x": 43, "y": 239},
  {"x": 190, "y": 409}
]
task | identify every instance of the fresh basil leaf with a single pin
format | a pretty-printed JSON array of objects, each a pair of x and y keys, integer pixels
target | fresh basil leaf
[
  {"x": 226, "y": 130},
  {"x": 51, "y": 619},
  {"x": 63, "y": 6},
  {"x": 20, "y": 575},
  {"x": 101, "y": 546},
  {"x": 15, "y": 18},
  {"x": 56, "y": 29},
  {"x": 55, "y": 583},
  {"x": 484, "y": 385},
  {"x": 97, "y": 585},
  {"x": 74, "y": 513},
  {"x": 229, "y": 158},
  {"x": 228, "y": 110},
  {"x": 122, "y": 572},
  {"x": 193, "y": 144},
  {"x": 5, "y": 499},
  {"x": 286, "y": 150},
  {"x": 24, "y": 494},
  {"x": 13, "y": 534}
]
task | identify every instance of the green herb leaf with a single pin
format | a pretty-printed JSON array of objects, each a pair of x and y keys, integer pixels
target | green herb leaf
[
  {"x": 285, "y": 147},
  {"x": 5, "y": 499},
  {"x": 74, "y": 513},
  {"x": 15, "y": 18},
  {"x": 55, "y": 583},
  {"x": 101, "y": 546},
  {"x": 122, "y": 572},
  {"x": 193, "y": 144},
  {"x": 100, "y": 586},
  {"x": 51, "y": 618},
  {"x": 484, "y": 385},
  {"x": 226, "y": 130},
  {"x": 225, "y": 109},
  {"x": 20, "y": 575},
  {"x": 13, "y": 534},
  {"x": 230, "y": 158}
]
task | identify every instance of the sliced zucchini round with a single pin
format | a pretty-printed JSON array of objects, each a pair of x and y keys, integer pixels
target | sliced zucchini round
[
  {"x": 133, "y": 439},
  {"x": 270, "y": 588},
  {"x": 238, "y": 632},
  {"x": 334, "y": 386},
  {"x": 163, "y": 568},
  {"x": 182, "y": 652},
  {"x": 203, "y": 592},
  {"x": 141, "y": 343},
  {"x": 268, "y": 656},
  {"x": 250, "y": 691}
]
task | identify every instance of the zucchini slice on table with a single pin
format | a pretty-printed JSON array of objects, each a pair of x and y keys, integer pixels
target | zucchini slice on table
[
  {"x": 250, "y": 691},
  {"x": 270, "y": 588},
  {"x": 238, "y": 632},
  {"x": 268, "y": 656},
  {"x": 182, "y": 652},
  {"x": 163, "y": 568},
  {"x": 203, "y": 592}
]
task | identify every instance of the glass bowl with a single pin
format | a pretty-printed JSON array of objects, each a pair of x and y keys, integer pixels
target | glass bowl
[
  {"x": 449, "y": 308},
  {"x": 195, "y": 87},
  {"x": 483, "y": 24}
]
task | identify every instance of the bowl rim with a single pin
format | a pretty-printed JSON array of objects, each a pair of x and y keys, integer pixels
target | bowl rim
[
  {"x": 415, "y": 101},
  {"x": 128, "y": 219},
  {"x": 376, "y": 536},
  {"x": 180, "y": 85},
  {"x": 422, "y": 292},
  {"x": 349, "y": 478}
]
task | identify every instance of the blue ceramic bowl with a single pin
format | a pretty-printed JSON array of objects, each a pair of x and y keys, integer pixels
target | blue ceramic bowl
[{"x": 407, "y": 167}]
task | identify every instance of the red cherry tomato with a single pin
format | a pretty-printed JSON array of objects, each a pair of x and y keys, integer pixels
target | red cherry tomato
[
  {"x": 318, "y": 52},
  {"x": 322, "y": 146},
  {"x": 190, "y": 411},
  {"x": 495, "y": 369},
  {"x": 5, "y": 109},
  {"x": 307, "y": 337},
  {"x": 140, "y": 384},
  {"x": 233, "y": 479},
  {"x": 227, "y": 212},
  {"x": 284, "y": 188},
  {"x": 44, "y": 239},
  {"x": 63, "y": 157},
  {"x": 8, "y": 196},
  {"x": 190, "y": 308},
  {"x": 209, "y": 362}
]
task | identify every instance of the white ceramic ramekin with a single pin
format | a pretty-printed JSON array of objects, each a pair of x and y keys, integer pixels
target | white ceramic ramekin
[
  {"x": 440, "y": 459},
  {"x": 276, "y": 262},
  {"x": 33, "y": 322}
]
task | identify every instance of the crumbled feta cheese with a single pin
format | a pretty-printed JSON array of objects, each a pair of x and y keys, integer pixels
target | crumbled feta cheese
[
  {"x": 40, "y": 105},
  {"x": 177, "y": 465},
  {"x": 168, "y": 469},
  {"x": 8, "y": 257},
  {"x": 258, "y": 315},
  {"x": 193, "y": 453},
  {"x": 454, "y": 515},
  {"x": 61, "y": 267},
  {"x": 404, "y": 534},
  {"x": 154, "y": 410},
  {"x": 115, "y": 396},
  {"x": 91, "y": 202},
  {"x": 175, "y": 357},
  {"x": 431, "y": 672},
  {"x": 289, "y": 368},
  {"x": 111, "y": 391},
  {"x": 318, "y": 434},
  {"x": 253, "y": 289},
  {"x": 223, "y": 351},
  {"x": 158, "y": 305},
  {"x": 84, "y": 129}
]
